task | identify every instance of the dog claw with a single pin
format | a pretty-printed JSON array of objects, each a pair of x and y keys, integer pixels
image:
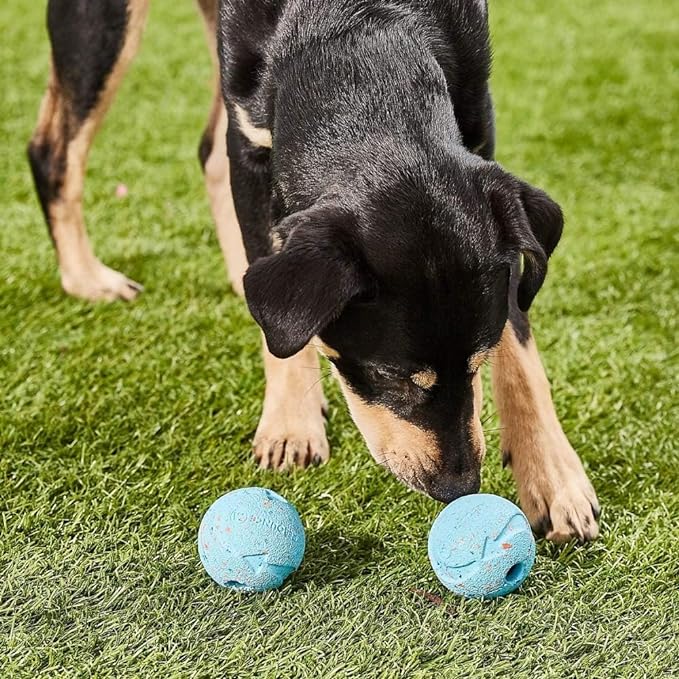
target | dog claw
[
  {"x": 281, "y": 453},
  {"x": 96, "y": 282},
  {"x": 542, "y": 526},
  {"x": 596, "y": 510}
]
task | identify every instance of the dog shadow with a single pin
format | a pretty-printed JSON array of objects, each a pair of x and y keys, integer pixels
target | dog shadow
[{"x": 334, "y": 558}]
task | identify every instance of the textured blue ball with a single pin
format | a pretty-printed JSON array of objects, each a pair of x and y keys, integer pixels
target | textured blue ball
[
  {"x": 251, "y": 540},
  {"x": 481, "y": 546}
]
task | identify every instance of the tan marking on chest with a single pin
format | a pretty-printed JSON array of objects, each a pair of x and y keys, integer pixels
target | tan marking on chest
[{"x": 259, "y": 136}]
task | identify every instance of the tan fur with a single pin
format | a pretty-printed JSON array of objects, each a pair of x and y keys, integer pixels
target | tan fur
[
  {"x": 425, "y": 379},
  {"x": 323, "y": 348},
  {"x": 551, "y": 481},
  {"x": 291, "y": 430},
  {"x": 217, "y": 171},
  {"x": 218, "y": 183},
  {"x": 478, "y": 359},
  {"x": 208, "y": 8},
  {"x": 476, "y": 433},
  {"x": 394, "y": 443},
  {"x": 82, "y": 274},
  {"x": 257, "y": 135}
]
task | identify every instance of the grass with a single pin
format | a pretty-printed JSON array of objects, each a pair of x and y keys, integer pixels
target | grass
[{"x": 119, "y": 425}]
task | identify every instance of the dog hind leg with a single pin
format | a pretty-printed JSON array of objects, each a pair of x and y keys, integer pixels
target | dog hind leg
[{"x": 93, "y": 43}]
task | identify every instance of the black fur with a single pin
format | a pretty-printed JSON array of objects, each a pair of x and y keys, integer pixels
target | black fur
[
  {"x": 518, "y": 318},
  {"x": 290, "y": 297},
  {"x": 399, "y": 233},
  {"x": 47, "y": 168},
  {"x": 251, "y": 187},
  {"x": 86, "y": 38}
]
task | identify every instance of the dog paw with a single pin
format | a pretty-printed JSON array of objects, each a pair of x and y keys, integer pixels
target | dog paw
[
  {"x": 291, "y": 430},
  {"x": 292, "y": 450},
  {"x": 96, "y": 282},
  {"x": 573, "y": 514},
  {"x": 555, "y": 493},
  {"x": 277, "y": 446}
]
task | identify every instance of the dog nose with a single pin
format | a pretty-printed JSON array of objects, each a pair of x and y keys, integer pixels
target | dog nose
[{"x": 447, "y": 486}]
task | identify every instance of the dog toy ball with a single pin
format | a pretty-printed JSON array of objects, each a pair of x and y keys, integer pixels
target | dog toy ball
[
  {"x": 481, "y": 546},
  {"x": 251, "y": 540}
]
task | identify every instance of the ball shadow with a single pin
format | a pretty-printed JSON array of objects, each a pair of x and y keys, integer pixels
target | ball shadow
[{"x": 332, "y": 558}]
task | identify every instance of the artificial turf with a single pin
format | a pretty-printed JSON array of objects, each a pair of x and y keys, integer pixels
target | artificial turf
[{"x": 120, "y": 424}]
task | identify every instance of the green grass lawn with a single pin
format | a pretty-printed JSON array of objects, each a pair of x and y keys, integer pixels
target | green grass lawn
[{"x": 120, "y": 424}]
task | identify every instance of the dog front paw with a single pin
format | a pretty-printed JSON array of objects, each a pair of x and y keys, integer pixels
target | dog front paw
[
  {"x": 279, "y": 445},
  {"x": 554, "y": 491},
  {"x": 573, "y": 514}
]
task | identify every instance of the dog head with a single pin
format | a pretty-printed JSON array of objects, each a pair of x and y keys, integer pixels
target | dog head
[{"x": 406, "y": 289}]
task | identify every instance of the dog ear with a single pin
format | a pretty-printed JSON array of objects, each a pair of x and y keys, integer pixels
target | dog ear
[
  {"x": 297, "y": 292},
  {"x": 531, "y": 224}
]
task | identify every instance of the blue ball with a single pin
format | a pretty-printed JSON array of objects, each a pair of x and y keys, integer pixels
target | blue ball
[
  {"x": 481, "y": 546},
  {"x": 251, "y": 540}
]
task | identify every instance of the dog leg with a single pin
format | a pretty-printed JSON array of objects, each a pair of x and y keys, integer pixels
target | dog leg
[
  {"x": 554, "y": 490},
  {"x": 92, "y": 45},
  {"x": 213, "y": 157},
  {"x": 291, "y": 430}
]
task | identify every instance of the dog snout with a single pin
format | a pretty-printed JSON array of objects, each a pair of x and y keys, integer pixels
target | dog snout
[{"x": 448, "y": 486}]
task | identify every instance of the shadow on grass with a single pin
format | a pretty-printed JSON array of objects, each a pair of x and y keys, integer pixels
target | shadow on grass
[{"x": 334, "y": 558}]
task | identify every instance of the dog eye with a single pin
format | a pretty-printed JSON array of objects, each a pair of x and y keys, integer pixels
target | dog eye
[
  {"x": 386, "y": 372},
  {"x": 388, "y": 377}
]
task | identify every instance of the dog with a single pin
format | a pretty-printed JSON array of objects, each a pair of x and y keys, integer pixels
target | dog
[{"x": 362, "y": 216}]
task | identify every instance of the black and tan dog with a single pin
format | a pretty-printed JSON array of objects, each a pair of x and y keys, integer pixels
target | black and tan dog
[{"x": 377, "y": 228}]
